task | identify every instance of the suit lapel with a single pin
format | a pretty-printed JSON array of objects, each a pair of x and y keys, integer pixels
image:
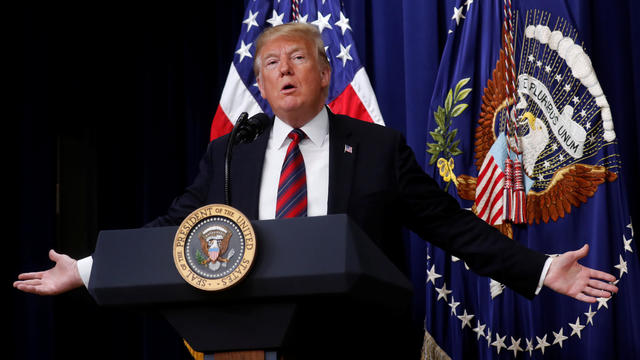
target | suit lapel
[
  {"x": 246, "y": 174},
  {"x": 343, "y": 150}
]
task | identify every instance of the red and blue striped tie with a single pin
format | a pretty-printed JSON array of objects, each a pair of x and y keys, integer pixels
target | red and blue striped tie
[{"x": 292, "y": 189}]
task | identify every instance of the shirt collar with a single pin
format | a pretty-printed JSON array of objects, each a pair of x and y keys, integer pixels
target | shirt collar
[{"x": 317, "y": 129}]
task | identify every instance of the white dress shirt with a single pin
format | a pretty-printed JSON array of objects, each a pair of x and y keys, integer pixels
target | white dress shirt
[{"x": 315, "y": 152}]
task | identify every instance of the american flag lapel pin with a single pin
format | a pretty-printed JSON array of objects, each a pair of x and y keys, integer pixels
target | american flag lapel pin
[{"x": 348, "y": 149}]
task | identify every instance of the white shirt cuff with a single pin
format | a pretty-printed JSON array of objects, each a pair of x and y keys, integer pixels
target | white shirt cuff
[
  {"x": 84, "y": 269},
  {"x": 543, "y": 275}
]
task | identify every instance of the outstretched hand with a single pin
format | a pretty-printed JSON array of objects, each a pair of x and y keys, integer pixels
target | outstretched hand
[
  {"x": 569, "y": 278},
  {"x": 61, "y": 278}
]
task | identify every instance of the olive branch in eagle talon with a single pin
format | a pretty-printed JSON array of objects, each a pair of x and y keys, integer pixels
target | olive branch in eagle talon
[{"x": 446, "y": 144}]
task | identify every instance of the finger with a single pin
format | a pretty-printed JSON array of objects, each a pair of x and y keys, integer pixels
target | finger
[
  {"x": 31, "y": 275},
  {"x": 597, "y": 274},
  {"x": 596, "y": 292},
  {"x": 601, "y": 285},
  {"x": 585, "y": 298},
  {"x": 34, "y": 282},
  {"x": 32, "y": 289}
]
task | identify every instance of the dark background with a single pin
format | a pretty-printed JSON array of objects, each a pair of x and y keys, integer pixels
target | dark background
[{"x": 109, "y": 109}]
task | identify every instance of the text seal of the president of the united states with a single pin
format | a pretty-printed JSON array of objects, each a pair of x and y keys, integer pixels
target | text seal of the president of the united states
[{"x": 214, "y": 247}]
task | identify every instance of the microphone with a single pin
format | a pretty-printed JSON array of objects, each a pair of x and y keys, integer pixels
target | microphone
[{"x": 249, "y": 129}]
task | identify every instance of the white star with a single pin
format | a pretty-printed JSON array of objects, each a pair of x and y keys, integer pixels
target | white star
[
  {"x": 542, "y": 343},
  {"x": 454, "y": 258},
  {"x": 575, "y": 99},
  {"x": 592, "y": 138},
  {"x": 559, "y": 337},
  {"x": 251, "y": 20},
  {"x": 630, "y": 226},
  {"x": 457, "y": 14},
  {"x": 547, "y": 69},
  {"x": 275, "y": 19},
  {"x": 303, "y": 19},
  {"x": 529, "y": 346},
  {"x": 344, "y": 54},
  {"x": 499, "y": 343},
  {"x": 590, "y": 316},
  {"x": 583, "y": 113},
  {"x": 465, "y": 319},
  {"x": 627, "y": 243},
  {"x": 515, "y": 346},
  {"x": 488, "y": 338},
  {"x": 622, "y": 266},
  {"x": 432, "y": 276},
  {"x": 567, "y": 87},
  {"x": 322, "y": 22},
  {"x": 588, "y": 125},
  {"x": 602, "y": 302},
  {"x": 558, "y": 78},
  {"x": 443, "y": 292},
  {"x": 479, "y": 330},
  {"x": 453, "y": 305},
  {"x": 561, "y": 157},
  {"x": 468, "y": 3},
  {"x": 546, "y": 164},
  {"x": 530, "y": 58},
  {"x": 343, "y": 23},
  {"x": 577, "y": 327},
  {"x": 539, "y": 63},
  {"x": 244, "y": 50},
  {"x": 554, "y": 147}
]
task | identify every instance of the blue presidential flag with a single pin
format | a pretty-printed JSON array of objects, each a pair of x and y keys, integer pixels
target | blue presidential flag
[{"x": 521, "y": 132}]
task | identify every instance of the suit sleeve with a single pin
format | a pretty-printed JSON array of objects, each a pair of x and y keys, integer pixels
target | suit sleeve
[{"x": 437, "y": 217}]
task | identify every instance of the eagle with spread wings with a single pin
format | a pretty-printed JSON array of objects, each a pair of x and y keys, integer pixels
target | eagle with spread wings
[
  {"x": 570, "y": 185},
  {"x": 214, "y": 242}
]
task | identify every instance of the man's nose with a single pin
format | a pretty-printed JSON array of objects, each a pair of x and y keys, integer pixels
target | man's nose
[{"x": 285, "y": 67}]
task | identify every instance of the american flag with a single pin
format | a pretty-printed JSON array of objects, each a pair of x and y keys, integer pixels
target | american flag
[
  {"x": 491, "y": 181},
  {"x": 350, "y": 92}
]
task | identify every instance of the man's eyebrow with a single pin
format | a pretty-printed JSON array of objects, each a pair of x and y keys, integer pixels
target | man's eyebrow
[{"x": 289, "y": 51}]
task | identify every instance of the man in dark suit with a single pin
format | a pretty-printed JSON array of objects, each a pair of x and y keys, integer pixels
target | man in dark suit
[{"x": 361, "y": 169}]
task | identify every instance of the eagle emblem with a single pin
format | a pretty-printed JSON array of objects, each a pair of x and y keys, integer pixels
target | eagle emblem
[
  {"x": 556, "y": 112},
  {"x": 214, "y": 242}
]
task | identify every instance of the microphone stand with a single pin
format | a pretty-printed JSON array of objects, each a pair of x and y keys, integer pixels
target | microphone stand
[{"x": 227, "y": 157}]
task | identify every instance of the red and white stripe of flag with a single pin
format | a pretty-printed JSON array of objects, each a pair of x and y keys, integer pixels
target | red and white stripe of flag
[{"x": 489, "y": 194}]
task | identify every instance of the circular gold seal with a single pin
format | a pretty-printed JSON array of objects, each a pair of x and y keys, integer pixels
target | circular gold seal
[{"x": 214, "y": 247}]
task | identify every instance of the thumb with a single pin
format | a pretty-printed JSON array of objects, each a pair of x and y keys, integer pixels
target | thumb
[
  {"x": 54, "y": 256},
  {"x": 582, "y": 252}
]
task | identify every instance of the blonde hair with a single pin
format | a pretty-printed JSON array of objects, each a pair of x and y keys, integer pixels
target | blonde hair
[{"x": 294, "y": 30}]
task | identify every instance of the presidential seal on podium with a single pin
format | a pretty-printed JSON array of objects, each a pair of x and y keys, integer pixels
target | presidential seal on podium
[{"x": 214, "y": 247}]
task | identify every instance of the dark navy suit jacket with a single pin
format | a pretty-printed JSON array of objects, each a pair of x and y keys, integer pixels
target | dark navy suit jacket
[{"x": 382, "y": 188}]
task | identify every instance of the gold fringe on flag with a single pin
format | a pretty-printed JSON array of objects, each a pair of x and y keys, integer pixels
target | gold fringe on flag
[
  {"x": 431, "y": 350},
  {"x": 196, "y": 355}
]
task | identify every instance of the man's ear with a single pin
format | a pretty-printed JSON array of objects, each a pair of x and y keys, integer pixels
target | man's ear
[{"x": 325, "y": 76}]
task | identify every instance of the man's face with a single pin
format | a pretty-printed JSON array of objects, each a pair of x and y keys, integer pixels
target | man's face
[{"x": 292, "y": 79}]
